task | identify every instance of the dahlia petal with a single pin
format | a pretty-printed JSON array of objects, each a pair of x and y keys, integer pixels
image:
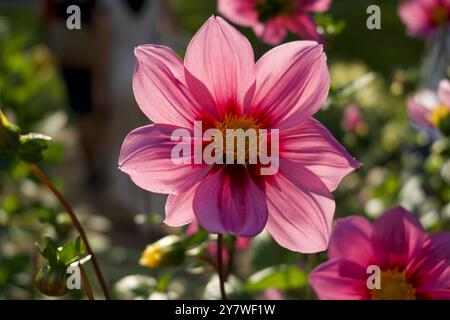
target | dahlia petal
[
  {"x": 202, "y": 95},
  {"x": 301, "y": 209},
  {"x": 304, "y": 26},
  {"x": 243, "y": 243},
  {"x": 339, "y": 279},
  {"x": 179, "y": 208},
  {"x": 230, "y": 203},
  {"x": 436, "y": 294},
  {"x": 292, "y": 83},
  {"x": 311, "y": 145},
  {"x": 222, "y": 59},
  {"x": 159, "y": 87},
  {"x": 240, "y": 12},
  {"x": 418, "y": 113},
  {"x": 430, "y": 271},
  {"x": 316, "y": 5},
  {"x": 397, "y": 238},
  {"x": 444, "y": 92},
  {"x": 416, "y": 18},
  {"x": 146, "y": 157},
  {"x": 351, "y": 240},
  {"x": 272, "y": 32}
]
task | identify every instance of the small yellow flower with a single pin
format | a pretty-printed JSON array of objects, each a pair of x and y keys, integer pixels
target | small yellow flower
[
  {"x": 439, "y": 114},
  {"x": 164, "y": 252},
  {"x": 151, "y": 257}
]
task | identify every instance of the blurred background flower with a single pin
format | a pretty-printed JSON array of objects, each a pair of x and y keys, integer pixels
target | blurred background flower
[{"x": 272, "y": 19}]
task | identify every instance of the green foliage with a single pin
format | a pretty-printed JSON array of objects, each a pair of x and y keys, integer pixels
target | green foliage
[
  {"x": 329, "y": 26},
  {"x": 32, "y": 146},
  {"x": 65, "y": 255},
  {"x": 9, "y": 137},
  {"x": 28, "y": 148},
  {"x": 283, "y": 277}
]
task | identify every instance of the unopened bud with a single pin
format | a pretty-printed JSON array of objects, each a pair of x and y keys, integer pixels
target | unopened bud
[
  {"x": 52, "y": 281},
  {"x": 167, "y": 251}
]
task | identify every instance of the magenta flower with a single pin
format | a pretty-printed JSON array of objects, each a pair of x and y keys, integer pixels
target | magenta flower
[
  {"x": 220, "y": 85},
  {"x": 428, "y": 109},
  {"x": 271, "y": 19},
  {"x": 352, "y": 119},
  {"x": 424, "y": 17},
  {"x": 413, "y": 265}
]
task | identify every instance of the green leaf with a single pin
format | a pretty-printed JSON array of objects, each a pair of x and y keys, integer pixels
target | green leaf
[
  {"x": 164, "y": 281},
  {"x": 68, "y": 253},
  {"x": 62, "y": 256},
  {"x": 50, "y": 251},
  {"x": 283, "y": 277},
  {"x": 9, "y": 137},
  {"x": 79, "y": 246},
  {"x": 32, "y": 146},
  {"x": 197, "y": 238}
]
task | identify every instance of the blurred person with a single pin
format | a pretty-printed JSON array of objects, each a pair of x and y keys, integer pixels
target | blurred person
[
  {"x": 132, "y": 23},
  {"x": 82, "y": 57}
]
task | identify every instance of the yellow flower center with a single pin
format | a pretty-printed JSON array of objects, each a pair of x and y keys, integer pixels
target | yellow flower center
[
  {"x": 440, "y": 15},
  {"x": 439, "y": 114},
  {"x": 247, "y": 127},
  {"x": 394, "y": 286},
  {"x": 151, "y": 257},
  {"x": 232, "y": 121}
]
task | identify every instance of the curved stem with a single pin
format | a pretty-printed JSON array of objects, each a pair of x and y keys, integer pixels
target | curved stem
[
  {"x": 35, "y": 271},
  {"x": 86, "y": 285},
  {"x": 220, "y": 266},
  {"x": 42, "y": 177}
]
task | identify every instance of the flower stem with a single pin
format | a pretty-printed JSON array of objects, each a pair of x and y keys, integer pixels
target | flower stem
[
  {"x": 231, "y": 257},
  {"x": 86, "y": 285},
  {"x": 42, "y": 177},
  {"x": 36, "y": 257},
  {"x": 220, "y": 266}
]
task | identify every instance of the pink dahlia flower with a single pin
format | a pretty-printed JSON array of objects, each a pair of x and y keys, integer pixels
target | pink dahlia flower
[
  {"x": 271, "y": 19},
  {"x": 413, "y": 265},
  {"x": 428, "y": 109},
  {"x": 424, "y": 17},
  {"x": 220, "y": 85}
]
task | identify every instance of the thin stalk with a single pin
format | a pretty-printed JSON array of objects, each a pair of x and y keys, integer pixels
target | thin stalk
[
  {"x": 220, "y": 269},
  {"x": 35, "y": 271},
  {"x": 86, "y": 285},
  {"x": 231, "y": 257},
  {"x": 43, "y": 178}
]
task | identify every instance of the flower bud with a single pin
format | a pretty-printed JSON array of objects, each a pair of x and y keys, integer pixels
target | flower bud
[
  {"x": 52, "y": 281},
  {"x": 167, "y": 251}
]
